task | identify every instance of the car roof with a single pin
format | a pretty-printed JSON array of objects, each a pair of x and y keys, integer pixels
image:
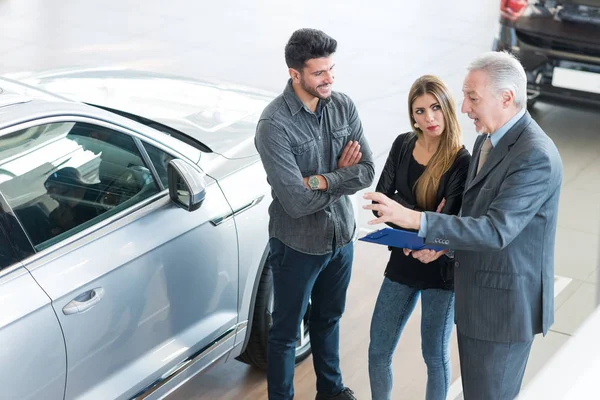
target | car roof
[
  {"x": 220, "y": 115},
  {"x": 21, "y": 103}
]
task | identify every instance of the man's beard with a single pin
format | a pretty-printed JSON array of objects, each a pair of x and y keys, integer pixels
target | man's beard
[{"x": 312, "y": 91}]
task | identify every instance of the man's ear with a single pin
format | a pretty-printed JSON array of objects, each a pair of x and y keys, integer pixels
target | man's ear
[
  {"x": 295, "y": 75},
  {"x": 508, "y": 98}
]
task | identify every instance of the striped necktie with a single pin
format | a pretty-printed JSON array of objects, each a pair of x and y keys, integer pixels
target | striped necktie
[{"x": 485, "y": 151}]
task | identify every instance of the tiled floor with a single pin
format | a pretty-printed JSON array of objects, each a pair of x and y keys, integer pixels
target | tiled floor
[
  {"x": 383, "y": 47},
  {"x": 575, "y": 309}
]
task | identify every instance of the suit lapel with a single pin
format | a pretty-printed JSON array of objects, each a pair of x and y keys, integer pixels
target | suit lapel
[{"x": 498, "y": 152}]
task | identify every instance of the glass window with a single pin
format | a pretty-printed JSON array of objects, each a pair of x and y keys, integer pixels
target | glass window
[
  {"x": 14, "y": 244},
  {"x": 7, "y": 256},
  {"x": 64, "y": 177}
]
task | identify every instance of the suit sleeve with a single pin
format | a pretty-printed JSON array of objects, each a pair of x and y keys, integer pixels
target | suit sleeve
[{"x": 519, "y": 197}]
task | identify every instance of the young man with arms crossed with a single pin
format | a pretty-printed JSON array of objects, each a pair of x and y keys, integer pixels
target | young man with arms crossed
[{"x": 312, "y": 146}]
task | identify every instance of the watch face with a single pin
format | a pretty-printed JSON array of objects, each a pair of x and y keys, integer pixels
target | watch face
[{"x": 313, "y": 182}]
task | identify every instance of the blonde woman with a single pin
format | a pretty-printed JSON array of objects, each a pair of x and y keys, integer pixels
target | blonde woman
[{"x": 425, "y": 170}]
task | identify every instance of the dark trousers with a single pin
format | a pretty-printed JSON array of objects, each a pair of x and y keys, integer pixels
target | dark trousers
[
  {"x": 296, "y": 278},
  {"x": 491, "y": 370}
]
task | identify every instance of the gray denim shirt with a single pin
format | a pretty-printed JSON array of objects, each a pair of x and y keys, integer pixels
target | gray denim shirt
[{"x": 293, "y": 143}]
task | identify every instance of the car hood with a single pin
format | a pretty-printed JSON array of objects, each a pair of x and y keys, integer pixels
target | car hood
[{"x": 220, "y": 115}]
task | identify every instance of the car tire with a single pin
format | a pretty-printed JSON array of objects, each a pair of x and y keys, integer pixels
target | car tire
[{"x": 256, "y": 350}]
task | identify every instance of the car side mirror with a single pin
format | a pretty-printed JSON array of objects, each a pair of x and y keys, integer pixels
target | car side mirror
[{"x": 187, "y": 186}]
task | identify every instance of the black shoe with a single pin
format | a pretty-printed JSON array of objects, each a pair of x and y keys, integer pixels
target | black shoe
[{"x": 345, "y": 394}]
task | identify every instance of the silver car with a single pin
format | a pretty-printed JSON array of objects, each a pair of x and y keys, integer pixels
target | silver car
[{"x": 133, "y": 234}]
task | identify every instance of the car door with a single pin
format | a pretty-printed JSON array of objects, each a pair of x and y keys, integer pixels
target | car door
[
  {"x": 32, "y": 349},
  {"x": 139, "y": 285}
]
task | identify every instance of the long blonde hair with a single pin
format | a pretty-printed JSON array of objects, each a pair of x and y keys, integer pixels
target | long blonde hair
[{"x": 450, "y": 141}]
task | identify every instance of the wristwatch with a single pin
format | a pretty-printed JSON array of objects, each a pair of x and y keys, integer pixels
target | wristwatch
[{"x": 313, "y": 182}]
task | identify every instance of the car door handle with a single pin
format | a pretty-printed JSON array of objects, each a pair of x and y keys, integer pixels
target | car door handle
[{"x": 84, "y": 301}]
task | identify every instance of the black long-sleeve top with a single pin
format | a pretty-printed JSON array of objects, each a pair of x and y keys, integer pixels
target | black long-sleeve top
[{"x": 397, "y": 181}]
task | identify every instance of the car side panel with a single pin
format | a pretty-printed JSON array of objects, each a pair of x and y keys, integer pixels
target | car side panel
[
  {"x": 32, "y": 348},
  {"x": 169, "y": 280},
  {"x": 250, "y": 195}
]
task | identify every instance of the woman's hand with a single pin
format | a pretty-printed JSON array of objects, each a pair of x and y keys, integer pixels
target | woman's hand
[{"x": 440, "y": 207}]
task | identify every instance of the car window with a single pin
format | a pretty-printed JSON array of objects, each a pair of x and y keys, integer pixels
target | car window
[
  {"x": 63, "y": 177},
  {"x": 160, "y": 160},
  {"x": 14, "y": 244},
  {"x": 7, "y": 256}
]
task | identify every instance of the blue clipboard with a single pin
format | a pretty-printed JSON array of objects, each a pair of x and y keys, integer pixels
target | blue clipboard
[{"x": 398, "y": 238}]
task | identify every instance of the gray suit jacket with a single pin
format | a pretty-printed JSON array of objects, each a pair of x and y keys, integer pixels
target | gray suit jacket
[{"x": 504, "y": 237}]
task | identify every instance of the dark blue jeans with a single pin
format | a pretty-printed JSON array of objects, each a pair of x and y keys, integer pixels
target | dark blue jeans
[{"x": 296, "y": 278}]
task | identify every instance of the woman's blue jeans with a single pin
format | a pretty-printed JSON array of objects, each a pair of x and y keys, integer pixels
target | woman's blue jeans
[{"x": 394, "y": 306}]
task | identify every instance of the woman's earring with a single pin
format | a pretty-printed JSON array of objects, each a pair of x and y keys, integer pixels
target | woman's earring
[{"x": 416, "y": 125}]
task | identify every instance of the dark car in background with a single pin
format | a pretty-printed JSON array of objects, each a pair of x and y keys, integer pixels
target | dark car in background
[{"x": 558, "y": 43}]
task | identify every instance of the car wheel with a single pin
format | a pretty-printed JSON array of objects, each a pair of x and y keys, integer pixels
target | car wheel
[{"x": 256, "y": 350}]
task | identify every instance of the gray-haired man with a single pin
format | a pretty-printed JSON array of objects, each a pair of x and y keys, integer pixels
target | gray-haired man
[{"x": 504, "y": 236}]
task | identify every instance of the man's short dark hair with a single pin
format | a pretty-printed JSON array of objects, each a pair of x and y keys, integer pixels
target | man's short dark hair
[{"x": 308, "y": 43}]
